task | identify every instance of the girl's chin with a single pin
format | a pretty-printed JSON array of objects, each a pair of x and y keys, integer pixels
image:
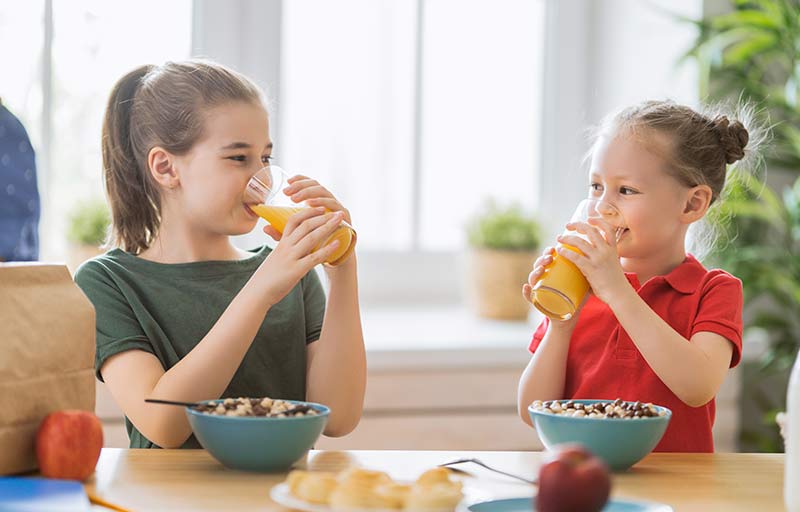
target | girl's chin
[{"x": 244, "y": 228}]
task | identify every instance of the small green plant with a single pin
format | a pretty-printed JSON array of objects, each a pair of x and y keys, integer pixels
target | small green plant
[
  {"x": 88, "y": 223},
  {"x": 505, "y": 228}
]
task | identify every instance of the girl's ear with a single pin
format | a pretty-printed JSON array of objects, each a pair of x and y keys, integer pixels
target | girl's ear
[
  {"x": 698, "y": 199},
  {"x": 161, "y": 165}
]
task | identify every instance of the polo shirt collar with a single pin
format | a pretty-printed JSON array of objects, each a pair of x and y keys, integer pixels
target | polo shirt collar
[{"x": 685, "y": 278}]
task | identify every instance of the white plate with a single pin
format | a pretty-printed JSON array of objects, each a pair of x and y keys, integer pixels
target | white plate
[{"x": 280, "y": 494}]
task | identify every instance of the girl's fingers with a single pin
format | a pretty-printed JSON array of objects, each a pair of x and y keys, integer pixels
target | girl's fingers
[
  {"x": 272, "y": 232},
  {"x": 329, "y": 203},
  {"x": 321, "y": 255},
  {"x": 332, "y": 205},
  {"x": 576, "y": 242},
  {"x": 296, "y": 177},
  {"x": 542, "y": 261},
  {"x": 309, "y": 192},
  {"x": 297, "y": 183},
  {"x": 321, "y": 232},
  {"x": 535, "y": 275},
  {"x": 572, "y": 256},
  {"x": 297, "y": 225},
  {"x": 609, "y": 232},
  {"x": 526, "y": 291},
  {"x": 591, "y": 232}
]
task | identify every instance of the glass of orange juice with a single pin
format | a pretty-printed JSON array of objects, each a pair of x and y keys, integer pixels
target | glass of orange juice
[
  {"x": 264, "y": 196},
  {"x": 561, "y": 289}
]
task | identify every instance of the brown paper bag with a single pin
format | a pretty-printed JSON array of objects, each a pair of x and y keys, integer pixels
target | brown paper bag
[{"x": 47, "y": 346}]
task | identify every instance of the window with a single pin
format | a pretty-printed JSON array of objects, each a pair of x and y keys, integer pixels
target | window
[
  {"x": 65, "y": 58},
  {"x": 414, "y": 113}
]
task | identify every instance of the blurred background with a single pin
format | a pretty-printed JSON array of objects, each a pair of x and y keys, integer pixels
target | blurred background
[{"x": 455, "y": 132}]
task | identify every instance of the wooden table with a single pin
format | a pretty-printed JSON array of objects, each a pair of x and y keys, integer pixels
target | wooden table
[{"x": 193, "y": 480}]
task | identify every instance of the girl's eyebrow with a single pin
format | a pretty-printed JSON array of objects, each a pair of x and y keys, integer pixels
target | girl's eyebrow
[
  {"x": 620, "y": 177},
  {"x": 243, "y": 145}
]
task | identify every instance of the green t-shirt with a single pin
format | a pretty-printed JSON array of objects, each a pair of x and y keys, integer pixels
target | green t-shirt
[{"x": 166, "y": 309}]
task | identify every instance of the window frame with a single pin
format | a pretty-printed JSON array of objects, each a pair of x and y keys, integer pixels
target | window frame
[{"x": 386, "y": 277}]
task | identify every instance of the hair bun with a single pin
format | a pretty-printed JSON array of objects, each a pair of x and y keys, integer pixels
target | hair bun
[{"x": 733, "y": 138}]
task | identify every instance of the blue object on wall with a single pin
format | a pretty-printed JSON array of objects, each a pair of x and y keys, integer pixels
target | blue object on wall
[{"x": 19, "y": 193}]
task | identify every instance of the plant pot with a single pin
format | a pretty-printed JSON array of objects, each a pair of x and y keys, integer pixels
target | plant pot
[
  {"x": 494, "y": 282},
  {"x": 78, "y": 253}
]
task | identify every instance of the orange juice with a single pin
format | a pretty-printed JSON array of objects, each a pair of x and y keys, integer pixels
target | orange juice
[
  {"x": 277, "y": 216},
  {"x": 561, "y": 289}
]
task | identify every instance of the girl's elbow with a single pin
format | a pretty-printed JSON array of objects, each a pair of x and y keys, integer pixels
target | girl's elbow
[
  {"x": 339, "y": 426},
  {"x": 163, "y": 435},
  {"x": 697, "y": 399},
  {"x": 524, "y": 416}
]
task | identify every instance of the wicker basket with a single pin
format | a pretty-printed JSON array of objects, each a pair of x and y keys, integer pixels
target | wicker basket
[{"x": 494, "y": 283}]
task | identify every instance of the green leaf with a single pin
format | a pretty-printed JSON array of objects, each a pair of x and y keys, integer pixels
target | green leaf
[
  {"x": 746, "y": 18},
  {"x": 747, "y": 49}
]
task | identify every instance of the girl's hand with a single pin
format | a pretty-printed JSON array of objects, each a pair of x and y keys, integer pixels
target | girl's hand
[
  {"x": 538, "y": 271},
  {"x": 294, "y": 256},
  {"x": 303, "y": 188},
  {"x": 600, "y": 260},
  {"x": 539, "y": 267}
]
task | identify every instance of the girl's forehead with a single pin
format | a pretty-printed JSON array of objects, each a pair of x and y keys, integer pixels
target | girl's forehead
[
  {"x": 629, "y": 156},
  {"x": 237, "y": 121}
]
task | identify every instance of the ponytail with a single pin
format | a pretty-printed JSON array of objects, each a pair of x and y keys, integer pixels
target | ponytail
[{"x": 135, "y": 203}]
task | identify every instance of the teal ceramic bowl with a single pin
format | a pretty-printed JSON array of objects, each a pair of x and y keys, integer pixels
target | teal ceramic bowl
[
  {"x": 621, "y": 443},
  {"x": 258, "y": 443}
]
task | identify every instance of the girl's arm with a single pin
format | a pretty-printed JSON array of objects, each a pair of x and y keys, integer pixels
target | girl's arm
[
  {"x": 545, "y": 375},
  {"x": 337, "y": 367},
  {"x": 207, "y": 370},
  {"x": 336, "y": 363},
  {"x": 692, "y": 369}
]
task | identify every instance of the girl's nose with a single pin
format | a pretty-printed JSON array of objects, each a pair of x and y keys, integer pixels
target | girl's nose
[{"x": 605, "y": 208}]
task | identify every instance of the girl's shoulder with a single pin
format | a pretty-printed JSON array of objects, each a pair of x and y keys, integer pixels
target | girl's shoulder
[
  {"x": 691, "y": 271},
  {"x": 721, "y": 283}
]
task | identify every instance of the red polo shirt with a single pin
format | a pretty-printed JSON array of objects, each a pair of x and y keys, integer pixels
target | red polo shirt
[{"x": 604, "y": 363}]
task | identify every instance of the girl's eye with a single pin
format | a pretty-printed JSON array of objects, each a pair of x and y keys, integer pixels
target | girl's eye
[
  {"x": 238, "y": 158},
  {"x": 626, "y": 191},
  {"x": 266, "y": 159},
  {"x": 595, "y": 187}
]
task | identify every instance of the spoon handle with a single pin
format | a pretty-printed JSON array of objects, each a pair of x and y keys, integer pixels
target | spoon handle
[
  {"x": 481, "y": 463},
  {"x": 170, "y": 402}
]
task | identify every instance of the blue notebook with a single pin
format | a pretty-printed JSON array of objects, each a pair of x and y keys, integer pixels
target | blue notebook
[{"x": 24, "y": 494}]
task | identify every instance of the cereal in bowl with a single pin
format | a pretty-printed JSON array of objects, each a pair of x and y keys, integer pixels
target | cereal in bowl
[
  {"x": 612, "y": 409},
  {"x": 265, "y": 407}
]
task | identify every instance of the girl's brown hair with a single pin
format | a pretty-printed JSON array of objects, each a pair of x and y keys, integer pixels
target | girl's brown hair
[
  {"x": 157, "y": 106},
  {"x": 699, "y": 148},
  {"x": 699, "y": 145}
]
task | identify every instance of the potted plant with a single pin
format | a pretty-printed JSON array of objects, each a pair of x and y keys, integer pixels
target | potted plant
[
  {"x": 503, "y": 245},
  {"x": 87, "y": 231},
  {"x": 750, "y": 53}
]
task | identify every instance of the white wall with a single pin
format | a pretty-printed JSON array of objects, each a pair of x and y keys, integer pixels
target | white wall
[
  {"x": 603, "y": 55},
  {"x": 600, "y": 55}
]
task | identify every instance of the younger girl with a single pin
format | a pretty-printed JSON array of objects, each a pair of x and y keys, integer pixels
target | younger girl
[
  {"x": 182, "y": 314},
  {"x": 658, "y": 327}
]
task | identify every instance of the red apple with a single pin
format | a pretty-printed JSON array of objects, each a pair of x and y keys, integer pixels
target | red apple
[
  {"x": 68, "y": 444},
  {"x": 572, "y": 479}
]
